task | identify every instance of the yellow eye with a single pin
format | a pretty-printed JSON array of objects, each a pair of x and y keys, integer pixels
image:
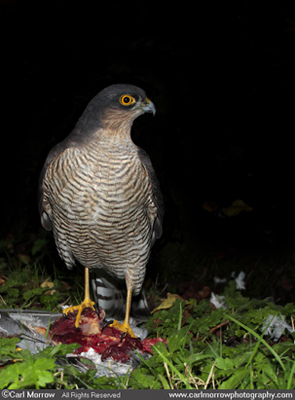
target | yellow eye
[{"x": 126, "y": 100}]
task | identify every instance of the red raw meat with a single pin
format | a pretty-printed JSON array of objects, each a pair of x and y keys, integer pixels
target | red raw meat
[{"x": 105, "y": 340}]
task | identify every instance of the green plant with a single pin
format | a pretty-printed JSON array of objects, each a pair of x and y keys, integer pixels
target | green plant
[{"x": 207, "y": 348}]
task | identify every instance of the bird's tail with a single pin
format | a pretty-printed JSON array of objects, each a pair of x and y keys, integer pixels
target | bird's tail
[{"x": 112, "y": 299}]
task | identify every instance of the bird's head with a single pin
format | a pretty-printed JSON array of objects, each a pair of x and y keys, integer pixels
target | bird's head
[
  {"x": 126, "y": 98},
  {"x": 116, "y": 107}
]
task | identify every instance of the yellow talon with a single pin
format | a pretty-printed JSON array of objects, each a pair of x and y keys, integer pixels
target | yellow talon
[
  {"x": 123, "y": 327},
  {"x": 87, "y": 302}
]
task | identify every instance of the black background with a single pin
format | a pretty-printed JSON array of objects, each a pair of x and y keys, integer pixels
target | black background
[{"x": 222, "y": 80}]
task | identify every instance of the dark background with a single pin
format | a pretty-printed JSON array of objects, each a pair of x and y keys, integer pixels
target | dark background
[{"x": 222, "y": 80}]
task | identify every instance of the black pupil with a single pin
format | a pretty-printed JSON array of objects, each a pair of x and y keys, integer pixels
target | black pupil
[{"x": 126, "y": 100}]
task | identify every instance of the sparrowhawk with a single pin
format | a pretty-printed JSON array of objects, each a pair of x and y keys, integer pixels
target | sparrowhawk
[{"x": 99, "y": 194}]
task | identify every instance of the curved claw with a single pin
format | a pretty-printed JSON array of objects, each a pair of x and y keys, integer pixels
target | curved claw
[
  {"x": 123, "y": 327},
  {"x": 86, "y": 303}
]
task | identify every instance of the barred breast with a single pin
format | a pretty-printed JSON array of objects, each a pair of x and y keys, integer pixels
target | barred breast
[{"x": 99, "y": 199}]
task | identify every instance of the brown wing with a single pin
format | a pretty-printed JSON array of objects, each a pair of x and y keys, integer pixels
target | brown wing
[{"x": 156, "y": 196}]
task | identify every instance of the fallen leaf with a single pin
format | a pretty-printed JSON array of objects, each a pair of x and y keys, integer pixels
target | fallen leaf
[
  {"x": 50, "y": 292},
  {"x": 47, "y": 284},
  {"x": 204, "y": 293},
  {"x": 66, "y": 286},
  {"x": 3, "y": 280},
  {"x": 167, "y": 303},
  {"x": 24, "y": 258},
  {"x": 235, "y": 208}
]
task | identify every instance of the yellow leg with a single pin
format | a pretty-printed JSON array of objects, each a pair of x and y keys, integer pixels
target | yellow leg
[
  {"x": 125, "y": 327},
  {"x": 86, "y": 302}
]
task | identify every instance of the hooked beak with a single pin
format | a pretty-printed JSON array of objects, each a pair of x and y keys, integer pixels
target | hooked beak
[{"x": 148, "y": 106}]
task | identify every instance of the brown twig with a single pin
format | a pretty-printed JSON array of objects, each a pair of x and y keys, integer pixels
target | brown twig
[{"x": 219, "y": 326}]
